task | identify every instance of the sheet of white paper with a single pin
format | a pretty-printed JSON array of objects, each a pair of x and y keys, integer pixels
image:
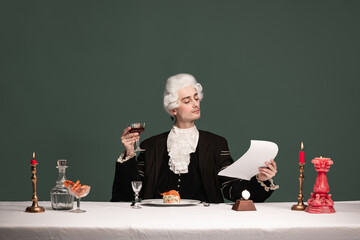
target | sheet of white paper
[{"x": 248, "y": 165}]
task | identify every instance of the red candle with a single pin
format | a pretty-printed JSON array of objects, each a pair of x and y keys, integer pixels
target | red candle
[
  {"x": 302, "y": 154},
  {"x": 33, "y": 161}
]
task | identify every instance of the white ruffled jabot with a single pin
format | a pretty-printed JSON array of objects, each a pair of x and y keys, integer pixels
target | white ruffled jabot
[{"x": 180, "y": 143}]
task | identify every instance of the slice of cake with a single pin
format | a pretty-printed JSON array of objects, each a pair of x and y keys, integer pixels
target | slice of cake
[{"x": 171, "y": 196}]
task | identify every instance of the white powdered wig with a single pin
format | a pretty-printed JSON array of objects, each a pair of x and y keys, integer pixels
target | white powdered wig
[{"x": 174, "y": 84}]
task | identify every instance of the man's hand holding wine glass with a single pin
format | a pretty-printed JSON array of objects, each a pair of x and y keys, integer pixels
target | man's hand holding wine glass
[
  {"x": 131, "y": 136},
  {"x": 128, "y": 140}
]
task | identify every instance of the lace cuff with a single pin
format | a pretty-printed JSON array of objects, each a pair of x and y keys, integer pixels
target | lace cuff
[
  {"x": 267, "y": 188},
  {"x": 123, "y": 159}
]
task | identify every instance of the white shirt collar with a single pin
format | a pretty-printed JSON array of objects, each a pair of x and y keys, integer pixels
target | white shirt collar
[{"x": 180, "y": 143}]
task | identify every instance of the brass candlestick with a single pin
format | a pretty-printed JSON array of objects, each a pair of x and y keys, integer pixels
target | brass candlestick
[
  {"x": 300, "y": 206},
  {"x": 35, "y": 208}
]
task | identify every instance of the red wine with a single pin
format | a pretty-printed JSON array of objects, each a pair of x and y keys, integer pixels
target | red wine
[{"x": 138, "y": 130}]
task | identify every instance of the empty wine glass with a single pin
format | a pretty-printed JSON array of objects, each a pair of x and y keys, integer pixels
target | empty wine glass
[
  {"x": 139, "y": 128},
  {"x": 136, "y": 186}
]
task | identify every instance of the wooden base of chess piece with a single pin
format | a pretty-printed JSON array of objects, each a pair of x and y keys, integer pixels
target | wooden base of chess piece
[{"x": 244, "y": 205}]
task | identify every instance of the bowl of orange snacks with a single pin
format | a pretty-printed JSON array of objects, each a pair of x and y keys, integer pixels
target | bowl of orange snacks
[{"x": 76, "y": 189}]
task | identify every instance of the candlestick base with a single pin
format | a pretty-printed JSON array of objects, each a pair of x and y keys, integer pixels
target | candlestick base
[
  {"x": 299, "y": 207},
  {"x": 35, "y": 209},
  {"x": 244, "y": 205}
]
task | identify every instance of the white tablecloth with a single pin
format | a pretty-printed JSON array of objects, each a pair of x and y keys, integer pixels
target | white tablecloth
[{"x": 105, "y": 220}]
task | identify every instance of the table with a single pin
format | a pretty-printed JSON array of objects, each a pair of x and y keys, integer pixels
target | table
[{"x": 106, "y": 220}]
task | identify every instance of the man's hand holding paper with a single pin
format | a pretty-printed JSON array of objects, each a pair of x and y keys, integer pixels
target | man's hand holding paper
[{"x": 268, "y": 172}]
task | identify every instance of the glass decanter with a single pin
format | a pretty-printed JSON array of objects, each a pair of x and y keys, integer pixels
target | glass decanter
[{"x": 59, "y": 195}]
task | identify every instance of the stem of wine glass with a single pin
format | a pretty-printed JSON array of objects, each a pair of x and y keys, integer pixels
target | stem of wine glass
[
  {"x": 136, "y": 199},
  {"x": 78, "y": 203},
  {"x": 137, "y": 145}
]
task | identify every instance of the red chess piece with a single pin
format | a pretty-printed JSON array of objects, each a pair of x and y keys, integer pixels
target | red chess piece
[{"x": 320, "y": 201}]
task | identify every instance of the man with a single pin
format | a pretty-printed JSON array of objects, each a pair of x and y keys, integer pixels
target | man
[{"x": 185, "y": 159}]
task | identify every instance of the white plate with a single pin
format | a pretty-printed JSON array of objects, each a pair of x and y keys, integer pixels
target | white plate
[{"x": 160, "y": 202}]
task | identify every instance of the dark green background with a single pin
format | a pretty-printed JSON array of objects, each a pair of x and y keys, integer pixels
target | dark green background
[{"x": 74, "y": 73}]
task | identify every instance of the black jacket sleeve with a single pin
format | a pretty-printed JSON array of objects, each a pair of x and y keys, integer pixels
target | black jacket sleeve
[{"x": 124, "y": 174}]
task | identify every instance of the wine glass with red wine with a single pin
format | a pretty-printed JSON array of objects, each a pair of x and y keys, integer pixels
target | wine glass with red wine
[{"x": 139, "y": 128}]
